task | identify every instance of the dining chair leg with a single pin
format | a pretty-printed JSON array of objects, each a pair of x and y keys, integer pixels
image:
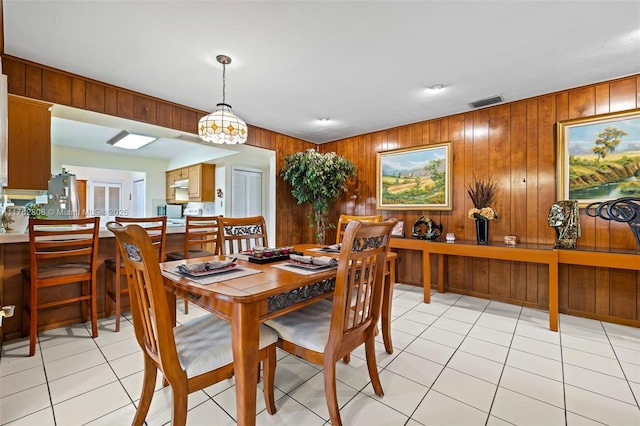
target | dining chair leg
[
  {"x": 346, "y": 359},
  {"x": 180, "y": 394},
  {"x": 330, "y": 390},
  {"x": 148, "y": 386},
  {"x": 186, "y": 306},
  {"x": 269, "y": 372},
  {"x": 370, "y": 351}
]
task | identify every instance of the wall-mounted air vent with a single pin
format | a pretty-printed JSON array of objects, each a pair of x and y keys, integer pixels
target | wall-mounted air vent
[{"x": 487, "y": 101}]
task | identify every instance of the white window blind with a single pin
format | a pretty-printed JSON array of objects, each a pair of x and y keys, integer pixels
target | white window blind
[{"x": 246, "y": 194}]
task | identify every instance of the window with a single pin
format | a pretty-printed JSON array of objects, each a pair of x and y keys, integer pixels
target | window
[{"x": 246, "y": 192}]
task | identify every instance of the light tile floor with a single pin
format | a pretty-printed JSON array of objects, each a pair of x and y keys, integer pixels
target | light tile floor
[{"x": 459, "y": 360}]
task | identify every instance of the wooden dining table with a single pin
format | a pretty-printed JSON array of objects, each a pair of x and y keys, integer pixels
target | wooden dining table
[{"x": 249, "y": 300}]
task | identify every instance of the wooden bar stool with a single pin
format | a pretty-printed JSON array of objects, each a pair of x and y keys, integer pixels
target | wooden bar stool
[
  {"x": 156, "y": 227},
  {"x": 62, "y": 252}
]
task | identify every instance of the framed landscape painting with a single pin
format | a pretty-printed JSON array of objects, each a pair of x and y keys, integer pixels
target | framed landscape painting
[
  {"x": 599, "y": 157},
  {"x": 415, "y": 178}
]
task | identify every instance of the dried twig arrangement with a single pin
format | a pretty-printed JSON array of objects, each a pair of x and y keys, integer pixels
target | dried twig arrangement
[{"x": 482, "y": 192}]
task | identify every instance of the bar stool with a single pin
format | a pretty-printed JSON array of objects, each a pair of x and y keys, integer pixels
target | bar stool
[
  {"x": 156, "y": 227},
  {"x": 200, "y": 240},
  {"x": 61, "y": 251}
]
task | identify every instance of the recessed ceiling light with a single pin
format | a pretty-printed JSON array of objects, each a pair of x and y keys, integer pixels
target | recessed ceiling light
[
  {"x": 323, "y": 120},
  {"x": 437, "y": 87},
  {"x": 128, "y": 140}
]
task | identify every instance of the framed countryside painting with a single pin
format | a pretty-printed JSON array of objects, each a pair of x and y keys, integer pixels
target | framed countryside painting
[
  {"x": 415, "y": 178},
  {"x": 599, "y": 157}
]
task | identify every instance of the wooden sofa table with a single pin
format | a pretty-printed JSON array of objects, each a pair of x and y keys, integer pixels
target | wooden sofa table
[{"x": 532, "y": 253}]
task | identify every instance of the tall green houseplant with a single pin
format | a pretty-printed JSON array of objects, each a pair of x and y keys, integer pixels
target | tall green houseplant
[{"x": 318, "y": 179}]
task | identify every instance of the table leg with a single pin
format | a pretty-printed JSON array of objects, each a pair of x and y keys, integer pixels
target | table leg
[
  {"x": 426, "y": 275},
  {"x": 440, "y": 273},
  {"x": 553, "y": 296},
  {"x": 387, "y": 297},
  {"x": 244, "y": 340}
]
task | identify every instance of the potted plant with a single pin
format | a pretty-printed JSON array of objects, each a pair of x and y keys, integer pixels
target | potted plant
[{"x": 318, "y": 179}]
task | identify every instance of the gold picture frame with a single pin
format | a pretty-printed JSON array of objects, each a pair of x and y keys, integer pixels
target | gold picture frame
[
  {"x": 597, "y": 156},
  {"x": 418, "y": 178}
]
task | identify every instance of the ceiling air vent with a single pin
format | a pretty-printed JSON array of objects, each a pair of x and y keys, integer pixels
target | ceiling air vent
[{"x": 487, "y": 101}]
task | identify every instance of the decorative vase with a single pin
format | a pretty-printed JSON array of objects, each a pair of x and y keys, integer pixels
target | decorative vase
[
  {"x": 17, "y": 219},
  {"x": 482, "y": 231}
]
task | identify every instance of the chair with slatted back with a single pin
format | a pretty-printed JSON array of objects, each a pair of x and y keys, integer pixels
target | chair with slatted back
[
  {"x": 238, "y": 234},
  {"x": 157, "y": 229},
  {"x": 200, "y": 240},
  {"x": 191, "y": 356},
  {"x": 344, "y": 220},
  {"x": 325, "y": 332},
  {"x": 61, "y": 252}
]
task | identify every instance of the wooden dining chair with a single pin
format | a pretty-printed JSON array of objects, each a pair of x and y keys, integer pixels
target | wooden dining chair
[
  {"x": 156, "y": 227},
  {"x": 325, "y": 331},
  {"x": 61, "y": 252},
  {"x": 200, "y": 240},
  {"x": 344, "y": 219},
  {"x": 191, "y": 356},
  {"x": 238, "y": 234}
]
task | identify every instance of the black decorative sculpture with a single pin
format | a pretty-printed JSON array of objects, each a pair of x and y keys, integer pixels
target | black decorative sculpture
[
  {"x": 426, "y": 229},
  {"x": 564, "y": 216},
  {"x": 625, "y": 209}
]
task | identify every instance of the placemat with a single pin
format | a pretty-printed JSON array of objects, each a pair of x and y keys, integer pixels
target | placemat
[
  {"x": 238, "y": 272},
  {"x": 300, "y": 271}
]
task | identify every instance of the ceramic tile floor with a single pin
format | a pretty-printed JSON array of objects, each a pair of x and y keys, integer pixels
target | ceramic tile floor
[{"x": 459, "y": 360}]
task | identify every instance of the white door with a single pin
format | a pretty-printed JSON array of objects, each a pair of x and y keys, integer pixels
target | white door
[{"x": 138, "y": 201}]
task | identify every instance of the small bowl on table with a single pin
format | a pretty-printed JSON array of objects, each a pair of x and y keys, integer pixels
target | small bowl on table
[
  {"x": 287, "y": 250},
  {"x": 277, "y": 251},
  {"x": 258, "y": 252}
]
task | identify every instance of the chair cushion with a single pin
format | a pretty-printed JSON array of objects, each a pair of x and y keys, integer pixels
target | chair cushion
[
  {"x": 204, "y": 343},
  {"x": 307, "y": 327},
  {"x": 179, "y": 255},
  {"x": 54, "y": 271}
]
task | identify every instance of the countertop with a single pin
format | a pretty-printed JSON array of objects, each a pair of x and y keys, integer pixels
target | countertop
[{"x": 18, "y": 237}]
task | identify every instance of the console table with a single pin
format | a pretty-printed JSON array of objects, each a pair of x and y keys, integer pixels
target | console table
[{"x": 522, "y": 253}]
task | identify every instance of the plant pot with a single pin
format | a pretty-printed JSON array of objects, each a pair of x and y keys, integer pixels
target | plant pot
[
  {"x": 18, "y": 219},
  {"x": 482, "y": 231}
]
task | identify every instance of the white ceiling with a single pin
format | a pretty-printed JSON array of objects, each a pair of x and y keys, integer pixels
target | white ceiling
[{"x": 364, "y": 65}]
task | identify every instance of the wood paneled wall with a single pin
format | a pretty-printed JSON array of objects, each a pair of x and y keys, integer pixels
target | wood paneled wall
[{"x": 515, "y": 143}]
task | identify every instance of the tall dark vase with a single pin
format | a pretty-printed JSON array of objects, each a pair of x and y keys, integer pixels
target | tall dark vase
[{"x": 482, "y": 231}]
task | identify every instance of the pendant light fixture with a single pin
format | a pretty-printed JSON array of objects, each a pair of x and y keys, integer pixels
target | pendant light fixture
[{"x": 222, "y": 125}]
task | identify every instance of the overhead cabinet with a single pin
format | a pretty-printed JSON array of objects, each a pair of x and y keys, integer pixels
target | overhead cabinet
[
  {"x": 29, "y": 147},
  {"x": 200, "y": 185}
]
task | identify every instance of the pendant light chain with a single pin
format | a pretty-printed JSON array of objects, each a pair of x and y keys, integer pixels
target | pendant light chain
[{"x": 224, "y": 81}]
